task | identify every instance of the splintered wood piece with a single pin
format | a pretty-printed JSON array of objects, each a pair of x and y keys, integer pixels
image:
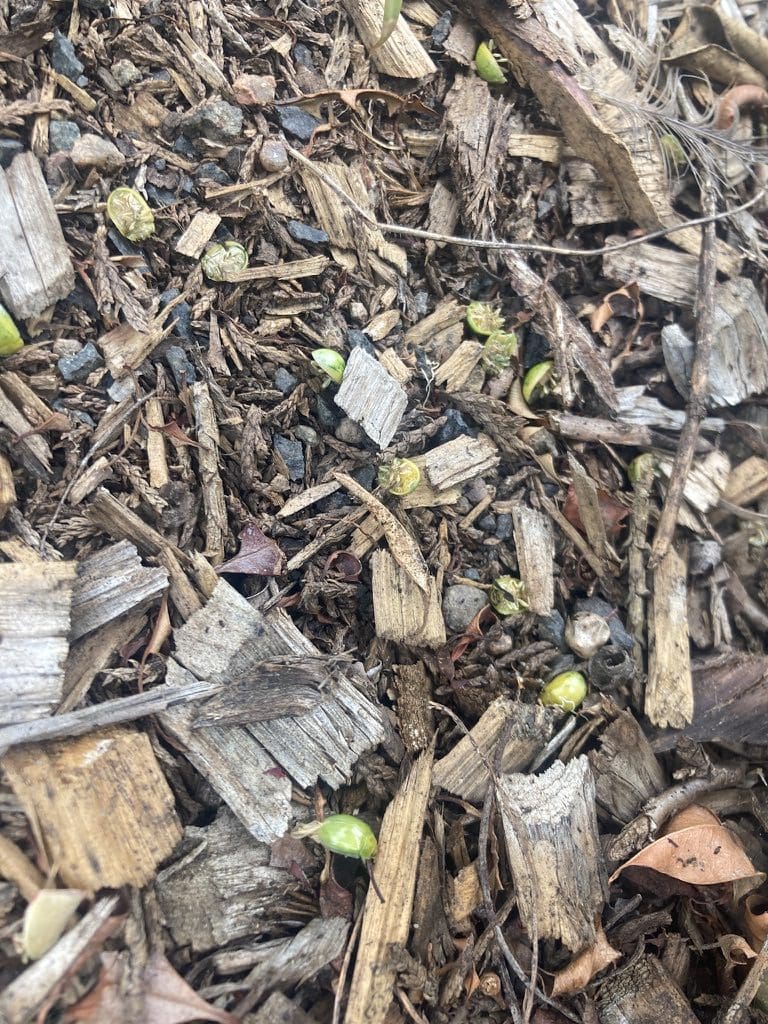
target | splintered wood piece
[
  {"x": 325, "y": 742},
  {"x": 463, "y": 770},
  {"x": 464, "y": 458},
  {"x": 92, "y": 654},
  {"x": 371, "y": 397},
  {"x": 207, "y": 430},
  {"x": 550, "y": 826},
  {"x": 402, "y": 55},
  {"x": 313, "y": 266},
  {"x": 669, "y": 689},
  {"x": 589, "y": 510},
  {"x": 156, "y": 458},
  {"x": 66, "y": 786},
  {"x": 308, "y": 497},
  {"x": 454, "y": 373},
  {"x": 214, "y": 894},
  {"x": 403, "y": 612},
  {"x": 414, "y": 692},
  {"x": 93, "y": 476},
  {"x": 636, "y": 994},
  {"x": 535, "y": 546},
  {"x": 42, "y": 981},
  {"x": 198, "y": 234},
  {"x": 34, "y": 626},
  {"x": 395, "y": 366},
  {"x": 664, "y": 273},
  {"x": 388, "y": 923},
  {"x": 7, "y": 486},
  {"x": 35, "y": 266},
  {"x": 125, "y": 347},
  {"x": 550, "y": 149},
  {"x": 30, "y": 450},
  {"x": 448, "y": 313},
  {"x": 333, "y": 217},
  {"x": 747, "y": 482},
  {"x": 110, "y": 583},
  {"x": 402, "y": 545},
  {"x": 625, "y": 768}
]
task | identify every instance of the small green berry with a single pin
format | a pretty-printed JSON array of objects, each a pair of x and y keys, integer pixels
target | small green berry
[
  {"x": 483, "y": 318},
  {"x": 10, "y": 339},
  {"x": 223, "y": 259},
  {"x": 399, "y": 477},
  {"x": 332, "y": 362},
  {"x": 507, "y": 596},
  {"x": 344, "y": 834},
  {"x": 565, "y": 691},
  {"x": 487, "y": 66},
  {"x": 498, "y": 351},
  {"x": 538, "y": 380}
]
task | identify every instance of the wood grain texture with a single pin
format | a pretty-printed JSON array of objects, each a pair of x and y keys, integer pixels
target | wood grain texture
[
  {"x": 35, "y": 267},
  {"x": 402, "y": 612},
  {"x": 67, "y": 788},
  {"x": 669, "y": 689},
  {"x": 371, "y": 397},
  {"x": 535, "y": 544}
]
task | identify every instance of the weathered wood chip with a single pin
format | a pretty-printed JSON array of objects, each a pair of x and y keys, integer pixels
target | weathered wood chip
[
  {"x": 457, "y": 461},
  {"x": 371, "y": 397},
  {"x": 669, "y": 689},
  {"x": 535, "y": 545},
  {"x": 198, "y": 234},
  {"x": 404, "y": 613}
]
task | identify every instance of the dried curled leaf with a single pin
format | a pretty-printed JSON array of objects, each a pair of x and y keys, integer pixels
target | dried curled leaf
[
  {"x": 581, "y": 970},
  {"x": 258, "y": 555}
]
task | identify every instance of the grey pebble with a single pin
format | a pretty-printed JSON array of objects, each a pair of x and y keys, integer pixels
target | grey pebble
[
  {"x": 78, "y": 367},
  {"x": 93, "y": 151},
  {"x": 182, "y": 369},
  {"x": 125, "y": 73},
  {"x": 217, "y": 121},
  {"x": 359, "y": 339},
  {"x": 455, "y": 425},
  {"x": 297, "y": 122},
  {"x": 292, "y": 454},
  {"x": 504, "y": 526},
  {"x": 273, "y": 156},
  {"x": 284, "y": 381},
  {"x": 64, "y": 58},
  {"x": 597, "y": 606},
  {"x": 62, "y": 135},
  {"x": 307, "y": 434},
  {"x": 305, "y": 233},
  {"x": 350, "y": 432},
  {"x": 461, "y": 603},
  {"x": 210, "y": 171},
  {"x": 487, "y": 523}
]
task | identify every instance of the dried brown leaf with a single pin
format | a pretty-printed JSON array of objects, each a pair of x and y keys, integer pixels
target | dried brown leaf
[
  {"x": 258, "y": 555},
  {"x": 352, "y": 98},
  {"x": 582, "y": 969}
]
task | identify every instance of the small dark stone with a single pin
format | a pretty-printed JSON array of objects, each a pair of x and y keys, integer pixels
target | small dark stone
[
  {"x": 64, "y": 58},
  {"x": 487, "y": 523},
  {"x": 233, "y": 161},
  {"x": 273, "y": 156},
  {"x": 535, "y": 349},
  {"x": 350, "y": 432},
  {"x": 78, "y": 367},
  {"x": 181, "y": 313},
  {"x": 461, "y": 603},
  {"x": 217, "y": 121},
  {"x": 284, "y": 381},
  {"x": 60, "y": 406},
  {"x": 9, "y": 148},
  {"x": 297, "y": 122},
  {"x": 366, "y": 477},
  {"x": 597, "y": 606},
  {"x": 359, "y": 339},
  {"x": 552, "y": 628},
  {"x": 308, "y": 435},
  {"x": 292, "y": 454},
  {"x": 442, "y": 29},
  {"x": 304, "y": 233},
  {"x": 455, "y": 425},
  {"x": 504, "y": 526},
  {"x": 62, "y": 135},
  {"x": 210, "y": 171},
  {"x": 182, "y": 369},
  {"x": 160, "y": 164},
  {"x": 327, "y": 416},
  {"x": 160, "y": 197},
  {"x": 183, "y": 146},
  {"x": 303, "y": 57},
  {"x": 187, "y": 185}
]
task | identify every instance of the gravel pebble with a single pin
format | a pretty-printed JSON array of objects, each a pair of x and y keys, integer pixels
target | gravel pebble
[
  {"x": 93, "y": 151},
  {"x": 63, "y": 57},
  {"x": 78, "y": 367},
  {"x": 461, "y": 603},
  {"x": 305, "y": 233},
  {"x": 273, "y": 156},
  {"x": 62, "y": 135},
  {"x": 292, "y": 454},
  {"x": 297, "y": 122},
  {"x": 217, "y": 121},
  {"x": 350, "y": 432}
]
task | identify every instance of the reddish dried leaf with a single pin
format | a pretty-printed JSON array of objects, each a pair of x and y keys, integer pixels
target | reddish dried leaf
[
  {"x": 168, "y": 999},
  {"x": 474, "y": 631},
  {"x": 344, "y": 566},
  {"x": 258, "y": 555},
  {"x": 612, "y": 512},
  {"x": 174, "y": 431},
  {"x": 290, "y": 850}
]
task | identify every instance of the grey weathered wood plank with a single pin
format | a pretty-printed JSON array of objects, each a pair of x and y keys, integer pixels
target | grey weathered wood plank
[
  {"x": 110, "y": 583},
  {"x": 371, "y": 397},
  {"x": 35, "y": 267}
]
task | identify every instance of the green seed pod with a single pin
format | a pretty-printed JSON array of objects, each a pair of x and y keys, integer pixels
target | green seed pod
[
  {"x": 342, "y": 833},
  {"x": 487, "y": 67},
  {"x": 498, "y": 351},
  {"x": 399, "y": 477},
  {"x": 565, "y": 691},
  {"x": 224, "y": 259},
  {"x": 507, "y": 596},
  {"x": 538, "y": 381},
  {"x": 10, "y": 339},
  {"x": 332, "y": 362},
  {"x": 673, "y": 151},
  {"x": 129, "y": 212},
  {"x": 642, "y": 466},
  {"x": 483, "y": 318}
]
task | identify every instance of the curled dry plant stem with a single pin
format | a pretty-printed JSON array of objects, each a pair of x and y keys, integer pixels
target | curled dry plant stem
[{"x": 497, "y": 246}]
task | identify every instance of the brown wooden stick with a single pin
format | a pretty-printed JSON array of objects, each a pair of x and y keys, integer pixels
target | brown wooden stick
[{"x": 696, "y": 407}]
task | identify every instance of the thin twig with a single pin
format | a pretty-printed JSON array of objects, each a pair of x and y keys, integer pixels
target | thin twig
[
  {"x": 495, "y": 245},
  {"x": 697, "y": 401},
  {"x": 341, "y": 982},
  {"x": 758, "y": 972}
]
